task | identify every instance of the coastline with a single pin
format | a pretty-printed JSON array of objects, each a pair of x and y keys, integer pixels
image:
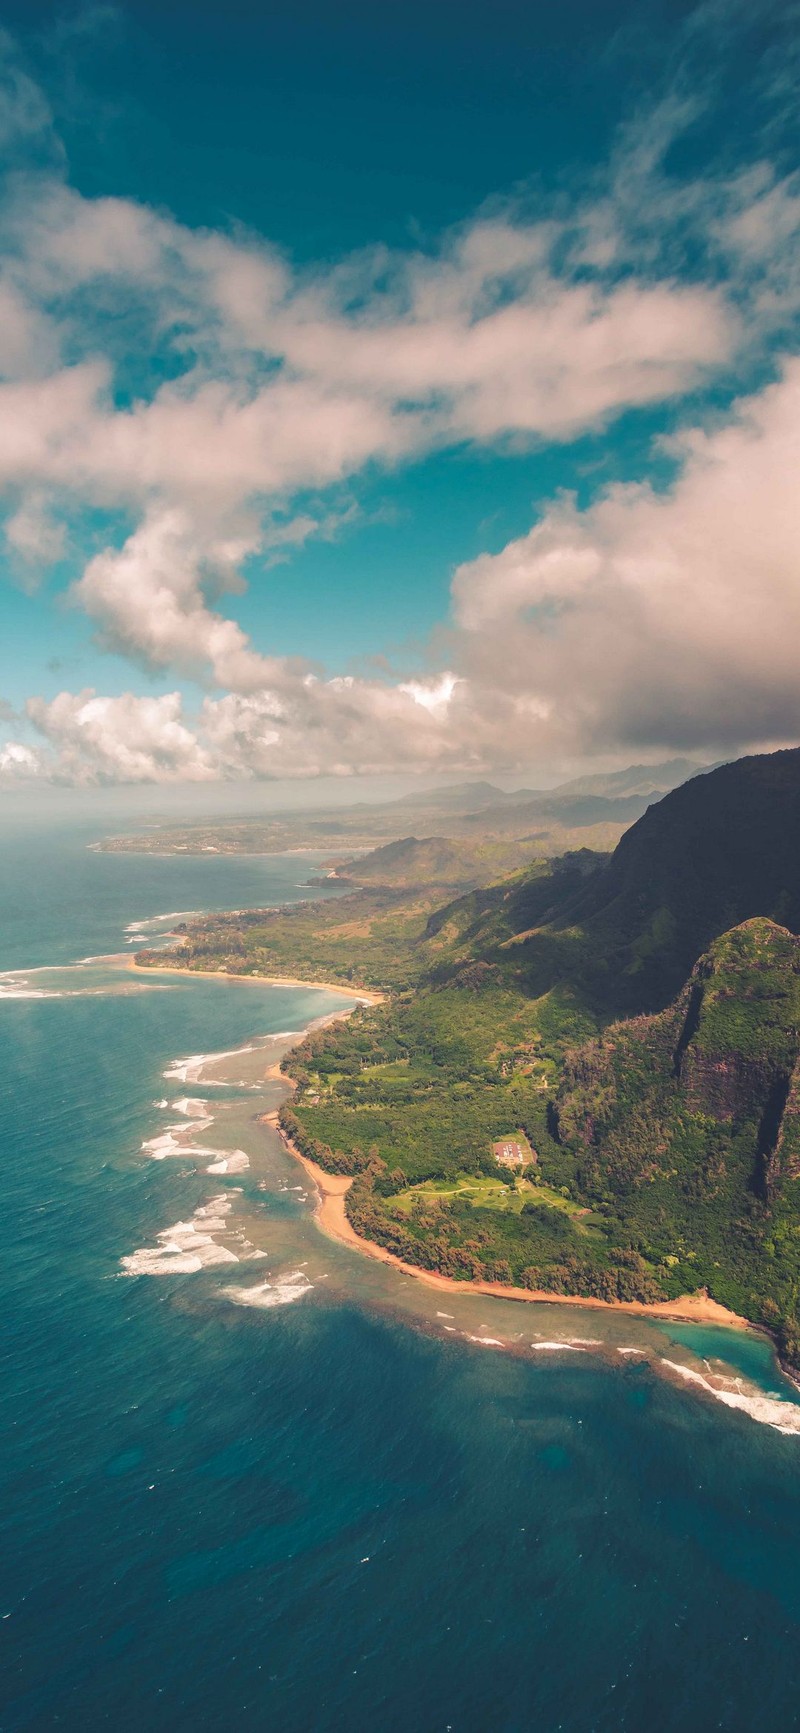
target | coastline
[
  {"x": 363, "y": 995},
  {"x": 331, "y": 1218}
]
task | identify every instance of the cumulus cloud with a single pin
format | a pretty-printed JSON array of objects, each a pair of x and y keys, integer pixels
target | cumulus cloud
[
  {"x": 651, "y": 619},
  {"x": 127, "y": 739},
  {"x": 197, "y": 386},
  {"x": 35, "y": 541},
  {"x": 18, "y": 761},
  {"x": 663, "y": 618},
  {"x": 148, "y": 599},
  {"x": 303, "y": 727}
]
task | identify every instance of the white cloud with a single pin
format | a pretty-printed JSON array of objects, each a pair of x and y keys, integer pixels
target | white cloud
[
  {"x": 198, "y": 383},
  {"x": 126, "y": 739},
  {"x": 649, "y": 620},
  {"x": 668, "y": 618},
  {"x": 149, "y": 602},
  {"x": 18, "y": 761}
]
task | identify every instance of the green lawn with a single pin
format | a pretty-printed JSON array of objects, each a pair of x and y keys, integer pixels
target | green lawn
[{"x": 483, "y": 1192}]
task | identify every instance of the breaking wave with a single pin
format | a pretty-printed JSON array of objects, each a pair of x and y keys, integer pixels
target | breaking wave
[
  {"x": 282, "y": 1291},
  {"x": 769, "y": 1410},
  {"x": 186, "y": 1247}
]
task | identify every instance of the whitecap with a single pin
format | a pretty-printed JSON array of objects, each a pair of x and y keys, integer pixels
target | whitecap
[
  {"x": 192, "y": 1107},
  {"x": 283, "y": 1291},
  {"x": 186, "y": 1247},
  {"x": 176, "y": 1140},
  {"x": 559, "y": 1347},
  {"x": 188, "y": 1070},
  {"x": 155, "y": 920},
  {"x": 236, "y": 1162},
  {"x": 769, "y": 1410}
]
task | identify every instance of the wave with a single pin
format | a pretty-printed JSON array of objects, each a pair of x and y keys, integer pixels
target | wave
[
  {"x": 20, "y": 983},
  {"x": 186, "y": 1247},
  {"x": 21, "y": 991},
  {"x": 563, "y": 1347},
  {"x": 236, "y": 1161},
  {"x": 155, "y": 920},
  {"x": 177, "y": 1140},
  {"x": 772, "y": 1411},
  {"x": 188, "y": 1070},
  {"x": 283, "y": 1291}
]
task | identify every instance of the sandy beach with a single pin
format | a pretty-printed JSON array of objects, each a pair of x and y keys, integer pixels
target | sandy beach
[
  {"x": 332, "y": 1218},
  {"x": 364, "y": 995}
]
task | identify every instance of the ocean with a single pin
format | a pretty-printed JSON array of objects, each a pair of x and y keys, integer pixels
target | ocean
[{"x": 252, "y": 1479}]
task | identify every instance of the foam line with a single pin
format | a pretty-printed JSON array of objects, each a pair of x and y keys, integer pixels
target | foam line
[
  {"x": 265, "y": 1295},
  {"x": 769, "y": 1410}
]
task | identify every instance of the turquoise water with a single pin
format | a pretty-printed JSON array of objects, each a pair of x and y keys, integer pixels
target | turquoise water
[{"x": 323, "y": 1513}]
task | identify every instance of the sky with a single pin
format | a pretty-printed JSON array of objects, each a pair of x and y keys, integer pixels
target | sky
[{"x": 396, "y": 392}]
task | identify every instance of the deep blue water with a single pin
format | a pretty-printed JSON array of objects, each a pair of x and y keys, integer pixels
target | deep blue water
[{"x": 317, "y": 1517}]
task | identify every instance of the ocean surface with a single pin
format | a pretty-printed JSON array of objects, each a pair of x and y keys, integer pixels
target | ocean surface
[{"x": 251, "y": 1479}]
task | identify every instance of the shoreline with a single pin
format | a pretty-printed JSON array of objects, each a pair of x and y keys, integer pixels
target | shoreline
[
  {"x": 332, "y": 1219},
  {"x": 364, "y": 995},
  {"x": 331, "y": 1216}
]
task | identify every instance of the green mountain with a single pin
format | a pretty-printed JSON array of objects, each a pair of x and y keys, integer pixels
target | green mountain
[
  {"x": 717, "y": 851},
  {"x": 631, "y": 1023},
  {"x": 436, "y": 860},
  {"x": 591, "y": 812},
  {"x": 624, "y": 932},
  {"x": 687, "y": 1124}
]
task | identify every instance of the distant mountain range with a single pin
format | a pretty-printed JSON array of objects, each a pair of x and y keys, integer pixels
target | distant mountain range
[
  {"x": 642, "y": 780},
  {"x": 625, "y": 931},
  {"x": 592, "y": 811}
]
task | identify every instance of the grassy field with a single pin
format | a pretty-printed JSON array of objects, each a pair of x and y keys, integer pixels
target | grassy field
[{"x": 485, "y": 1192}]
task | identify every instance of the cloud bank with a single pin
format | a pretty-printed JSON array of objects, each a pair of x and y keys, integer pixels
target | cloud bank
[{"x": 209, "y": 401}]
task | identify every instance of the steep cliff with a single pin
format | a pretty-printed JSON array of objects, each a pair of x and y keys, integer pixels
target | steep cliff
[{"x": 687, "y": 1123}]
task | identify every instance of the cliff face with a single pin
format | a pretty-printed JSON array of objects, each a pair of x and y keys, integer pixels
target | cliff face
[
  {"x": 624, "y": 933},
  {"x": 715, "y": 853},
  {"x": 726, "y": 1051},
  {"x": 688, "y": 1124}
]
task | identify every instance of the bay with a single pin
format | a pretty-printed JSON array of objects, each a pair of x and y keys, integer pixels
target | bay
[{"x": 294, "y": 1488}]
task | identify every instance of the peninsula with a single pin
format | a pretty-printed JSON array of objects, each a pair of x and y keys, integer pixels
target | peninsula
[{"x": 626, "y": 1030}]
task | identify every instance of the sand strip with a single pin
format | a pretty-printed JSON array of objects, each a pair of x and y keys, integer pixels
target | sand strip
[
  {"x": 366, "y": 995},
  {"x": 331, "y": 1217}
]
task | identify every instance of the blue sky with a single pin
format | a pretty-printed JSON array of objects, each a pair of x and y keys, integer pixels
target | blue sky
[{"x": 396, "y": 390}]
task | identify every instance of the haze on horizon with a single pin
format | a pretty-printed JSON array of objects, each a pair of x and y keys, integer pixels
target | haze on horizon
[{"x": 393, "y": 400}]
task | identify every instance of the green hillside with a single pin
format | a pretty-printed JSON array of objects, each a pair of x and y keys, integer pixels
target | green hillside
[
  {"x": 436, "y": 860},
  {"x": 632, "y": 1021},
  {"x": 668, "y": 1148},
  {"x": 624, "y": 932}
]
